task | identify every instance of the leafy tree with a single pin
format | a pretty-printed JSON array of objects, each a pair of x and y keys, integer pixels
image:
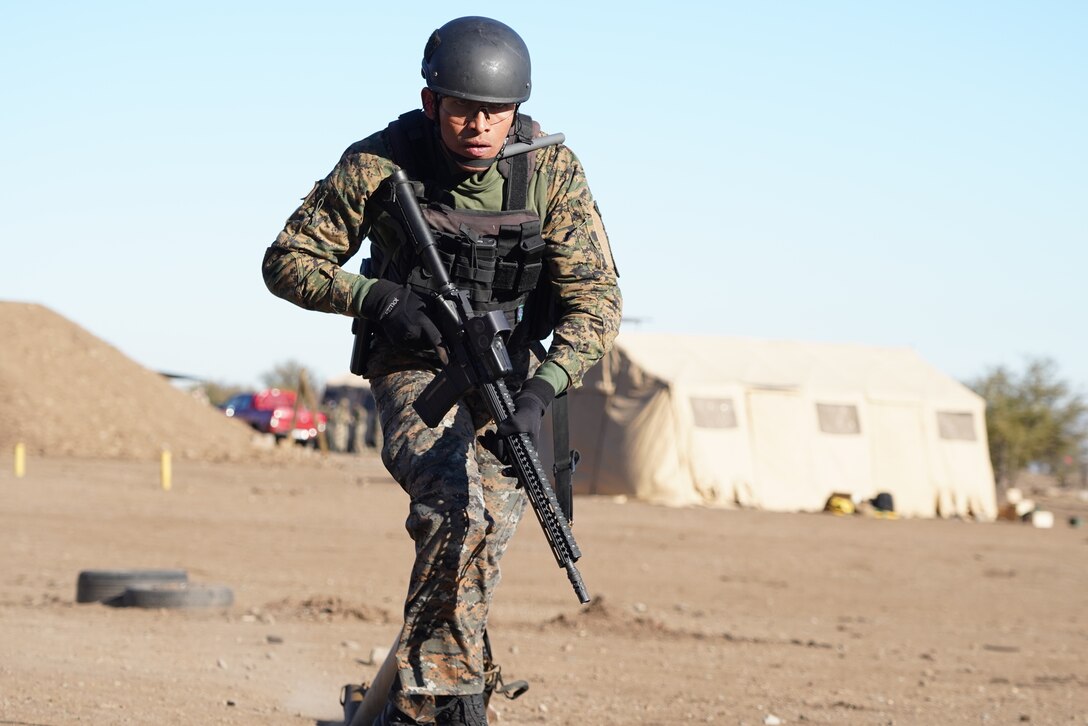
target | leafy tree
[
  {"x": 286, "y": 376},
  {"x": 1033, "y": 419}
]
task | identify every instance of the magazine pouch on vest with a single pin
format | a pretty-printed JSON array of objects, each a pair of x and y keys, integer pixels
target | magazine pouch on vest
[{"x": 495, "y": 257}]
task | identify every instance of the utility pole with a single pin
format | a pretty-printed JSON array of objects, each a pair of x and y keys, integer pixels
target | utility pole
[{"x": 306, "y": 398}]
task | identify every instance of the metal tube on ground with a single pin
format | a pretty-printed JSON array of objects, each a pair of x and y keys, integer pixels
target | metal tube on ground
[{"x": 378, "y": 693}]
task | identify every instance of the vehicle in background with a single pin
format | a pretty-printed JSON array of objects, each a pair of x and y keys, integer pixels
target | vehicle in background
[
  {"x": 301, "y": 424},
  {"x": 273, "y": 411},
  {"x": 241, "y": 408}
]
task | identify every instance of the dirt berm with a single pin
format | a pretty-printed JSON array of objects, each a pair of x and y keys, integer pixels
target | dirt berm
[{"x": 65, "y": 392}]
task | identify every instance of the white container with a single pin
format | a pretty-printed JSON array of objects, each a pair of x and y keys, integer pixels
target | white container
[
  {"x": 1042, "y": 519},
  {"x": 1025, "y": 506}
]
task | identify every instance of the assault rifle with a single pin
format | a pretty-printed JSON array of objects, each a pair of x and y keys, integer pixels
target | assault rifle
[
  {"x": 475, "y": 357},
  {"x": 362, "y": 328}
]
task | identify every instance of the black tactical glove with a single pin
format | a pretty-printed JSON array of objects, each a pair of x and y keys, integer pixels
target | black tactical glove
[
  {"x": 529, "y": 406},
  {"x": 402, "y": 315}
]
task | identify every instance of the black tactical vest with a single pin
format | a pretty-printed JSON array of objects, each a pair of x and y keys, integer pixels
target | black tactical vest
[{"x": 494, "y": 256}]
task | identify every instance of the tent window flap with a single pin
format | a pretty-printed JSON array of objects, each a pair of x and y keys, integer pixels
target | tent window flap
[
  {"x": 714, "y": 413},
  {"x": 838, "y": 418},
  {"x": 956, "y": 426}
]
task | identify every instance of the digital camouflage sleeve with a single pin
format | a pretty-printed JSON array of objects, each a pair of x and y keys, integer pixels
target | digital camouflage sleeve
[
  {"x": 305, "y": 263},
  {"x": 580, "y": 264}
]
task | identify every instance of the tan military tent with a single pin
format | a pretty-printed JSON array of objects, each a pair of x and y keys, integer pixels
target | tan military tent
[{"x": 688, "y": 420}]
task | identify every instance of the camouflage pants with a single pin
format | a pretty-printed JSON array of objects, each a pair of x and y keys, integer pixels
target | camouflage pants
[{"x": 462, "y": 514}]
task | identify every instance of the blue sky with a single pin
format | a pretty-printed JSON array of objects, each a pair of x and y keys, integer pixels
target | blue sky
[{"x": 900, "y": 174}]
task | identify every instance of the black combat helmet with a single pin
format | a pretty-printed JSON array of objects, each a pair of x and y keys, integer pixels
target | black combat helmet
[{"x": 478, "y": 59}]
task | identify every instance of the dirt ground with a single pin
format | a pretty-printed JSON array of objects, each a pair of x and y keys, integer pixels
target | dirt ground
[{"x": 700, "y": 616}]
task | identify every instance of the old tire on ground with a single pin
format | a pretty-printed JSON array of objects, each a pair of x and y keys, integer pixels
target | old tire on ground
[
  {"x": 108, "y": 586},
  {"x": 177, "y": 595}
]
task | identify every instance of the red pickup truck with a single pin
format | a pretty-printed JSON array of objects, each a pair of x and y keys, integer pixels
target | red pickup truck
[{"x": 272, "y": 411}]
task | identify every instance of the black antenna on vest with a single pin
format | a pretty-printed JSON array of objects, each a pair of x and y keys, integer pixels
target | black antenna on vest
[{"x": 523, "y": 147}]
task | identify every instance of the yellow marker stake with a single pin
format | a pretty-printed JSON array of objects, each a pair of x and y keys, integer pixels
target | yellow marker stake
[
  {"x": 165, "y": 471},
  {"x": 20, "y": 460}
]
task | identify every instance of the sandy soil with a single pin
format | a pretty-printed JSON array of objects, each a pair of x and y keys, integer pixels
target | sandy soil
[{"x": 700, "y": 616}]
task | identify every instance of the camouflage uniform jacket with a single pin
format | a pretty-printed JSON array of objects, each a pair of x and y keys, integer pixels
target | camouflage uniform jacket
[{"x": 305, "y": 263}]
